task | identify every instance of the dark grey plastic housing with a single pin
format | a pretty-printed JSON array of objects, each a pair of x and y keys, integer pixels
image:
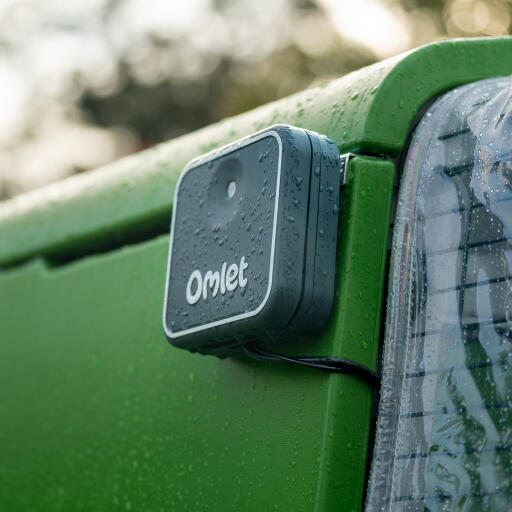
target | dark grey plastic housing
[{"x": 253, "y": 241}]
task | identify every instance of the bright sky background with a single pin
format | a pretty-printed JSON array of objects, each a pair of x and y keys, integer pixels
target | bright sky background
[{"x": 373, "y": 24}]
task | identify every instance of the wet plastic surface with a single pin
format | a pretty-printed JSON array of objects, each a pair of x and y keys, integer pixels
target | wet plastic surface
[
  {"x": 444, "y": 435},
  {"x": 99, "y": 412}
]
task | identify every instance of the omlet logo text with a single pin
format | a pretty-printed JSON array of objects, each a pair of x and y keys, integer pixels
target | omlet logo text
[{"x": 228, "y": 279}]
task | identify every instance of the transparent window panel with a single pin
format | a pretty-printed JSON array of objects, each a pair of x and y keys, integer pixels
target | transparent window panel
[{"x": 444, "y": 431}]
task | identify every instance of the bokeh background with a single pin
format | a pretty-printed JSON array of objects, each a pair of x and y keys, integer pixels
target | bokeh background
[{"x": 85, "y": 82}]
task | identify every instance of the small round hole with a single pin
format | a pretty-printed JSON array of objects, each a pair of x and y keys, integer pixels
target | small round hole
[{"x": 231, "y": 189}]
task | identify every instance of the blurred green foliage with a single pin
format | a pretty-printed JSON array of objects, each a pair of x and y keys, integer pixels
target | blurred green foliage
[
  {"x": 177, "y": 101},
  {"x": 85, "y": 83}
]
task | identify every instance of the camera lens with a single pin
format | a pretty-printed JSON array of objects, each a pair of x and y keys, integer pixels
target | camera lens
[{"x": 231, "y": 189}]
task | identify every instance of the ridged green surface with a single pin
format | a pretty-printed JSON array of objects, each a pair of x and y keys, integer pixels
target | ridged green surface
[
  {"x": 98, "y": 412},
  {"x": 367, "y": 111}
]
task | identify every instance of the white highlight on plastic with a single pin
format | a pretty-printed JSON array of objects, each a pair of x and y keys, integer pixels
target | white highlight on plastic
[{"x": 230, "y": 191}]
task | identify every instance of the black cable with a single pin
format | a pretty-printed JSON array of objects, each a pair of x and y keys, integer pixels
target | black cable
[{"x": 327, "y": 364}]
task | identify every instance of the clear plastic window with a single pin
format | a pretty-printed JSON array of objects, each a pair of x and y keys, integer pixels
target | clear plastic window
[{"x": 444, "y": 432}]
